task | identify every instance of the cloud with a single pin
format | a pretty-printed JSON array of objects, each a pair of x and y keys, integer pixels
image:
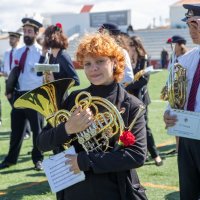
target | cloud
[{"x": 143, "y": 11}]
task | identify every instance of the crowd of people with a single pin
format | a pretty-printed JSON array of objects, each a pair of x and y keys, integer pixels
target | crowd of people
[{"x": 114, "y": 64}]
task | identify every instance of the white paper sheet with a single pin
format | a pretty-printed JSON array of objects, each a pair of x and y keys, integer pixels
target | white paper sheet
[
  {"x": 151, "y": 70},
  {"x": 57, "y": 172},
  {"x": 188, "y": 124}
]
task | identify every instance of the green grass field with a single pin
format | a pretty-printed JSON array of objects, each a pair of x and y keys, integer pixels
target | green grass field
[{"x": 21, "y": 182}]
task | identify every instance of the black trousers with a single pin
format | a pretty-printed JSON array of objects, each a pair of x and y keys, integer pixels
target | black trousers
[
  {"x": 189, "y": 168},
  {"x": 18, "y": 125},
  {"x": 150, "y": 139},
  {"x": 27, "y": 128}
]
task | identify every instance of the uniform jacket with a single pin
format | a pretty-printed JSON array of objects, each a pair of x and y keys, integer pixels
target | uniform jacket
[
  {"x": 67, "y": 69},
  {"x": 139, "y": 88},
  {"x": 109, "y": 175}
]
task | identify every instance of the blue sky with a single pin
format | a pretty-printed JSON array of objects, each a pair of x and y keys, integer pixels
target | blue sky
[{"x": 143, "y": 11}]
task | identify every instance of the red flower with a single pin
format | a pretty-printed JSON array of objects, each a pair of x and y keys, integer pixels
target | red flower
[
  {"x": 126, "y": 139},
  {"x": 59, "y": 25},
  {"x": 169, "y": 40},
  {"x": 16, "y": 62}
]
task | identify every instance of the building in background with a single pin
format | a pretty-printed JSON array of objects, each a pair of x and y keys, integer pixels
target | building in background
[
  {"x": 83, "y": 22},
  {"x": 177, "y": 12},
  {"x": 154, "y": 37}
]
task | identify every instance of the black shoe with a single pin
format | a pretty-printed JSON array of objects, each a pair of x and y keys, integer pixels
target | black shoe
[
  {"x": 4, "y": 165},
  {"x": 173, "y": 152},
  {"x": 38, "y": 166}
]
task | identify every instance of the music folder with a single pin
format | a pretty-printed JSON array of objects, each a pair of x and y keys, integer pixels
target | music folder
[
  {"x": 187, "y": 125},
  {"x": 58, "y": 174}
]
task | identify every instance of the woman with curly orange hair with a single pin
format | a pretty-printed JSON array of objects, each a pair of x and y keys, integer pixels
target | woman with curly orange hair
[{"x": 109, "y": 174}]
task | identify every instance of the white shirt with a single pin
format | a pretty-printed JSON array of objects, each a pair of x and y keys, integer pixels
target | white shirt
[
  {"x": 128, "y": 71},
  {"x": 28, "y": 80},
  {"x": 190, "y": 61},
  {"x": 6, "y": 60}
]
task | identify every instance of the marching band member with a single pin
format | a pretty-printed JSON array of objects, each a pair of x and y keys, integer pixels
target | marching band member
[
  {"x": 25, "y": 59},
  {"x": 110, "y": 174},
  {"x": 14, "y": 38},
  {"x": 189, "y": 149},
  {"x": 56, "y": 41},
  {"x": 113, "y": 30},
  {"x": 138, "y": 87},
  {"x": 178, "y": 50}
]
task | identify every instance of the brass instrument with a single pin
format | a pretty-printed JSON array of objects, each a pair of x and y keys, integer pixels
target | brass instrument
[
  {"x": 107, "y": 120},
  {"x": 140, "y": 73},
  {"x": 47, "y": 99},
  {"x": 175, "y": 89}
]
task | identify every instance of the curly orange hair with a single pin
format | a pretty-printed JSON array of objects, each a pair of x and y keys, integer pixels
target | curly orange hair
[{"x": 98, "y": 44}]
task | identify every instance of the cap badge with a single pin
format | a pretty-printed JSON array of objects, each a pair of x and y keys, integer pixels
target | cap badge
[{"x": 190, "y": 13}]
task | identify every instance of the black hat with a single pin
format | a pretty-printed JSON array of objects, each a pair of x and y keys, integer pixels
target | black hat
[
  {"x": 31, "y": 22},
  {"x": 176, "y": 39},
  {"x": 14, "y": 34},
  {"x": 112, "y": 28},
  {"x": 193, "y": 10}
]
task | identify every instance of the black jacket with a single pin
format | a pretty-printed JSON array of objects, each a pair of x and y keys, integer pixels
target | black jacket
[
  {"x": 67, "y": 69},
  {"x": 139, "y": 88},
  {"x": 109, "y": 175}
]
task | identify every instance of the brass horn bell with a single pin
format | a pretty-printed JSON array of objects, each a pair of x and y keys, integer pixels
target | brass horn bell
[{"x": 46, "y": 99}]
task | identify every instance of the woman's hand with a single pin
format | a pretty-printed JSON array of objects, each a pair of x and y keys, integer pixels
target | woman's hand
[
  {"x": 48, "y": 77},
  {"x": 79, "y": 121},
  {"x": 170, "y": 120},
  {"x": 72, "y": 161}
]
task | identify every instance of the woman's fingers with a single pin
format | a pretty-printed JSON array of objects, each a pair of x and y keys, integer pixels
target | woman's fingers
[
  {"x": 79, "y": 120},
  {"x": 72, "y": 162}
]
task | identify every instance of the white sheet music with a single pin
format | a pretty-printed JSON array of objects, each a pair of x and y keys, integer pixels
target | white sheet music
[
  {"x": 151, "y": 70},
  {"x": 57, "y": 172}
]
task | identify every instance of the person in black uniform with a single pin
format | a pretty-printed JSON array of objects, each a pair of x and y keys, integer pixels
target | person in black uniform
[
  {"x": 110, "y": 174},
  {"x": 56, "y": 41},
  {"x": 189, "y": 145},
  {"x": 25, "y": 58},
  {"x": 139, "y": 89}
]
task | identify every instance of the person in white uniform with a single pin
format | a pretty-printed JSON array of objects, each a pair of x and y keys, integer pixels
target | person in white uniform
[
  {"x": 189, "y": 149},
  {"x": 25, "y": 59},
  {"x": 14, "y": 38}
]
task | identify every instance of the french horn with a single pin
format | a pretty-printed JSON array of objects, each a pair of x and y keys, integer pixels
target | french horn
[
  {"x": 175, "y": 89},
  {"x": 47, "y": 100}
]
